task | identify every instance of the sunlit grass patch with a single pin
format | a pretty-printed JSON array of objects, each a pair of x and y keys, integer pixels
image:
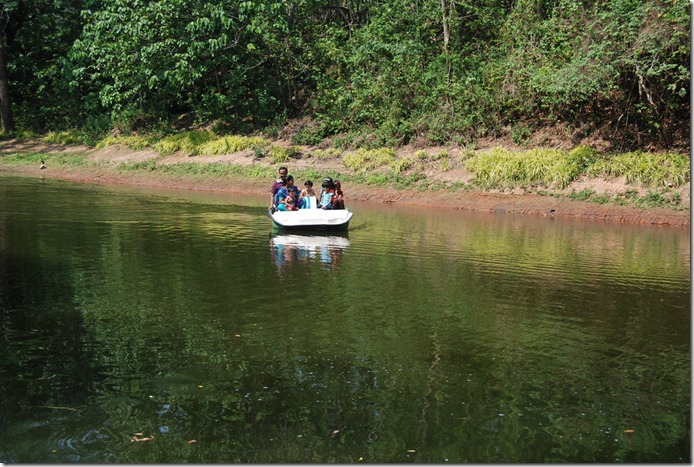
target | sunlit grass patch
[
  {"x": 188, "y": 142},
  {"x": 582, "y": 195},
  {"x": 328, "y": 154},
  {"x": 421, "y": 154},
  {"x": 142, "y": 166},
  {"x": 397, "y": 181},
  {"x": 659, "y": 198},
  {"x": 20, "y": 159},
  {"x": 211, "y": 170},
  {"x": 368, "y": 159},
  {"x": 136, "y": 143},
  {"x": 648, "y": 169},
  {"x": 76, "y": 159},
  {"x": 191, "y": 169},
  {"x": 280, "y": 155},
  {"x": 229, "y": 145},
  {"x": 442, "y": 154},
  {"x": 64, "y": 137},
  {"x": 401, "y": 164},
  {"x": 502, "y": 168}
]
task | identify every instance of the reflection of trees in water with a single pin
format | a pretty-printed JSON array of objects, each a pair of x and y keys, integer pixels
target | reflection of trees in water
[{"x": 43, "y": 336}]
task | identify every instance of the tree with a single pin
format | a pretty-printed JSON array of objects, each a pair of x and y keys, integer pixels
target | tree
[
  {"x": 218, "y": 60},
  {"x": 6, "y": 10}
]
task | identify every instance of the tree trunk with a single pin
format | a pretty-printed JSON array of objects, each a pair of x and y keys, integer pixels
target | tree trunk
[
  {"x": 446, "y": 13},
  {"x": 5, "y": 107}
]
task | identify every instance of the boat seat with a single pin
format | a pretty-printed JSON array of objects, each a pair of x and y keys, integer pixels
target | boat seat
[{"x": 310, "y": 203}]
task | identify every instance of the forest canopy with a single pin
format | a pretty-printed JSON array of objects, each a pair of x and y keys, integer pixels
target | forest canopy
[{"x": 365, "y": 72}]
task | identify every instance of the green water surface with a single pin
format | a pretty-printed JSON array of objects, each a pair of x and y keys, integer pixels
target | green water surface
[{"x": 169, "y": 327}]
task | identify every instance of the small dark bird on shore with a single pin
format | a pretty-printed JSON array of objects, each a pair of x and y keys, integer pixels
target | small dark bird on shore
[{"x": 43, "y": 165}]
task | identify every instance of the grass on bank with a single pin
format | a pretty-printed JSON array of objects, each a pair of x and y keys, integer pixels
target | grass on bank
[
  {"x": 500, "y": 168},
  {"x": 76, "y": 159},
  {"x": 657, "y": 170},
  {"x": 538, "y": 170}
]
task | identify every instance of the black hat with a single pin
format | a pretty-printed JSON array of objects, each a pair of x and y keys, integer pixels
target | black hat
[{"x": 327, "y": 182}]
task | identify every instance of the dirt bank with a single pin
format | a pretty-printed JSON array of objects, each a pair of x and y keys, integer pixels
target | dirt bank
[{"x": 516, "y": 202}]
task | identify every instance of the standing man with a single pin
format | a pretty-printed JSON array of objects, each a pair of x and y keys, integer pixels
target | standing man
[{"x": 277, "y": 184}]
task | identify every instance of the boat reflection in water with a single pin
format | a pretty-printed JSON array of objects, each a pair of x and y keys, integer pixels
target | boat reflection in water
[{"x": 292, "y": 249}]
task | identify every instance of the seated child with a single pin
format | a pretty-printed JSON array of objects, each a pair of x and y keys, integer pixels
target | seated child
[
  {"x": 308, "y": 191},
  {"x": 326, "y": 194},
  {"x": 338, "y": 199},
  {"x": 290, "y": 203},
  {"x": 307, "y": 198}
]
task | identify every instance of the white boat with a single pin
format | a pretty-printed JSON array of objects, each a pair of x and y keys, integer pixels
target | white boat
[{"x": 311, "y": 219}]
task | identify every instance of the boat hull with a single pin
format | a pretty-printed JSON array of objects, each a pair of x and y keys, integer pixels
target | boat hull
[{"x": 311, "y": 220}]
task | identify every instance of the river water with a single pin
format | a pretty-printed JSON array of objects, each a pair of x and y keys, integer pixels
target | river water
[{"x": 168, "y": 327}]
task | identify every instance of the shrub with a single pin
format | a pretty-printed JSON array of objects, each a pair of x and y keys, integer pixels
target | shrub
[
  {"x": 279, "y": 155},
  {"x": 500, "y": 167},
  {"x": 401, "y": 164},
  {"x": 188, "y": 142},
  {"x": 368, "y": 159},
  {"x": 421, "y": 154},
  {"x": 136, "y": 143},
  {"x": 230, "y": 145},
  {"x": 648, "y": 169},
  {"x": 330, "y": 153},
  {"x": 311, "y": 135},
  {"x": 442, "y": 154},
  {"x": 581, "y": 195},
  {"x": 64, "y": 137}
]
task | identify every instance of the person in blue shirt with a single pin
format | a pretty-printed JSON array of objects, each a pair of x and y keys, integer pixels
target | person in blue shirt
[
  {"x": 327, "y": 192},
  {"x": 283, "y": 192}
]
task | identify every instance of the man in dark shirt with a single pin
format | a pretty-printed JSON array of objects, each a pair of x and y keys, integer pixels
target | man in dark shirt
[{"x": 277, "y": 184}]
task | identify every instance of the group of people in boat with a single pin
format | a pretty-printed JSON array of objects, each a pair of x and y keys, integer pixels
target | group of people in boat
[{"x": 286, "y": 196}]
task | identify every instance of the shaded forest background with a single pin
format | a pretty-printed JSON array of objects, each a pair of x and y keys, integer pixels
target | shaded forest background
[{"x": 357, "y": 73}]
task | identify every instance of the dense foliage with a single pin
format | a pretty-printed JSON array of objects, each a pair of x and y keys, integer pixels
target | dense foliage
[{"x": 367, "y": 72}]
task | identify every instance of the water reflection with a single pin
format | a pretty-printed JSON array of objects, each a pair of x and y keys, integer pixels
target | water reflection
[
  {"x": 290, "y": 249},
  {"x": 439, "y": 338}
]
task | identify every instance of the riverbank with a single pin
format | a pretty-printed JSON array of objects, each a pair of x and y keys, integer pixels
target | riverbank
[{"x": 103, "y": 168}]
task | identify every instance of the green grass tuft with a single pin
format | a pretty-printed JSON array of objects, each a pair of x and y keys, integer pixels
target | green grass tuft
[
  {"x": 502, "y": 168},
  {"x": 364, "y": 160},
  {"x": 64, "y": 137},
  {"x": 136, "y": 143},
  {"x": 188, "y": 142},
  {"x": 67, "y": 159},
  {"x": 324, "y": 155},
  {"x": 401, "y": 164},
  {"x": 654, "y": 170},
  {"x": 582, "y": 195},
  {"x": 229, "y": 145},
  {"x": 279, "y": 155}
]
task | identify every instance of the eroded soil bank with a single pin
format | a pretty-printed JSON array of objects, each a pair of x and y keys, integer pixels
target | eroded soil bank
[{"x": 511, "y": 202}]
